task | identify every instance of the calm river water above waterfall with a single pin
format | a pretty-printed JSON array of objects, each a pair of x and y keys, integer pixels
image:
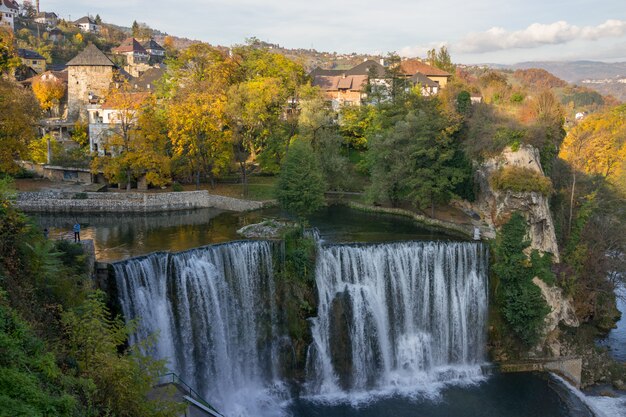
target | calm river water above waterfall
[{"x": 404, "y": 388}]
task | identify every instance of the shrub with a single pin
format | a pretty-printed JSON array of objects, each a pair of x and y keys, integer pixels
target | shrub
[
  {"x": 80, "y": 196},
  {"x": 177, "y": 187},
  {"x": 520, "y": 179}
]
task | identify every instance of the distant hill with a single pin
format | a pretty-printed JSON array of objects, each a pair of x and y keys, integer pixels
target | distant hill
[{"x": 607, "y": 78}]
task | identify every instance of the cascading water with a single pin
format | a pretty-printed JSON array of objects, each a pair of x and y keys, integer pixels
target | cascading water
[
  {"x": 214, "y": 315},
  {"x": 390, "y": 316},
  {"x": 397, "y": 316}
]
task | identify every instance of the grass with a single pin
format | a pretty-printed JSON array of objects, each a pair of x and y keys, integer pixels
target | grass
[{"x": 259, "y": 188}]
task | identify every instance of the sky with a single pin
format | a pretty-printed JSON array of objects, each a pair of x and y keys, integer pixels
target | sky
[{"x": 475, "y": 31}]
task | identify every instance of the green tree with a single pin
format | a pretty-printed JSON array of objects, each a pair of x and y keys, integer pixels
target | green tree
[
  {"x": 412, "y": 160},
  {"x": 521, "y": 302},
  {"x": 301, "y": 185},
  {"x": 19, "y": 114}
]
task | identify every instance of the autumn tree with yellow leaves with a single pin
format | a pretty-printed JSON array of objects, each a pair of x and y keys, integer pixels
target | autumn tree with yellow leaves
[
  {"x": 137, "y": 142},
  {"x": 48, "y": 92}
]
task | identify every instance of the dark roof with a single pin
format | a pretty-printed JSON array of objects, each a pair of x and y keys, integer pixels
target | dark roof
[
  {"x": 152, "y": 44},
  {"x": 28, "y": 54},
  {"x": 365, "y": 67},
  {"x": 10, "y": 4},
  {"x": 55, "y": 31},
  {"x": 339, "y": 82},
  {"x": 85, "y": 19},
  {"x": 130, "y": 45},
  {"x": 57, "y": 67},
  {"x": 146, "y": 80},
  {"x": 91, "y": 56},
  {"x": 422, "y": 79},
  {"x": 325, "y": 72},
  {"x": 47, "y": 15}
]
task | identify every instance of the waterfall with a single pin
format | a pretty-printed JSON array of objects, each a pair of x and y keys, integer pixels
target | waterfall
[
  {"x": 390, "y": 316},
  {"x": 399, "y": 315},
  {"x": 213, "y": 312}
]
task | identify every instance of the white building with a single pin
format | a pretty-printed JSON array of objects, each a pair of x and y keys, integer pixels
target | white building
[
  {"x": 8, "y": 11},
  {"x": 47, "y": 18},
  {"x": 87, "y": 25}
]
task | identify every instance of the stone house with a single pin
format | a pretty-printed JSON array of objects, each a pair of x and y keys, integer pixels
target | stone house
[
  {"x": 410, "y": 67},
  {"x": 90, "y": 75},
  {"x": 32, "y": 59},
  {"x": 47, "y": 18},
  {"x": 87, "y": 24},
  {"x": 8, "y": 11}
]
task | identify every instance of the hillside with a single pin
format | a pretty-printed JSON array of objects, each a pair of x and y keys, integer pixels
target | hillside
[{"x": 607, "y": 78}]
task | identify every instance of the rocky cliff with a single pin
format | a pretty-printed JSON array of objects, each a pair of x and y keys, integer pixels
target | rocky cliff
[{"x": 497, "y": 206}]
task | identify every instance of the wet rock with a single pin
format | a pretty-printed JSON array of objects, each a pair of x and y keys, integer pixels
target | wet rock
[{"x": 268, "y": 229}]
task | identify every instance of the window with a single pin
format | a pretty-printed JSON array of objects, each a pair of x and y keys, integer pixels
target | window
[{"x": 34, "y": 62}]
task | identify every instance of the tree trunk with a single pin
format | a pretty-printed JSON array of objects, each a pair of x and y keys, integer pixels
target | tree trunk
[
  {"x": 128, "y": 185},
  {"x": 197, "y": 179},
  {"x": 432, "y": 206},
  {"x": 244, "y": 178}
]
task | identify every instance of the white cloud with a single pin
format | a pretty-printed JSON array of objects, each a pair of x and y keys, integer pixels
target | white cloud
[{"x": 537, "y": 34}]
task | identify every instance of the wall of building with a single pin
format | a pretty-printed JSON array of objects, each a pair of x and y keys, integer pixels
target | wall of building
[
  {"x": 57, "y": 201},
  {"x": 81, "y": 82}
]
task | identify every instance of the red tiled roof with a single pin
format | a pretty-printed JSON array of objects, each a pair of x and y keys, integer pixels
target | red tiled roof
[
  {"x": 130, "y": 45},
  {"x": 413, "y": 66},
  {"x": 339, "y": 82}
]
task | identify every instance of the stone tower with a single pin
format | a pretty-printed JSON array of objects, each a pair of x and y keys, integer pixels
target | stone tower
[{"x": 90, "y": 75}]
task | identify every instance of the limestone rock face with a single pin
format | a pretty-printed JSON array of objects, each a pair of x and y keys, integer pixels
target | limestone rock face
[{"x": 497, "y": 206}]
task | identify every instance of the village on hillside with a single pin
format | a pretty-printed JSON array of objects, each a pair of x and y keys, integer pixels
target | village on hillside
[{"x": 78, "y": 87}]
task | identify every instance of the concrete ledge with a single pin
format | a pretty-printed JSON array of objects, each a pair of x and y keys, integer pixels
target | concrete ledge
[
  {"x": 60, "y": 202},
  {"x": 568, "y": 368}
]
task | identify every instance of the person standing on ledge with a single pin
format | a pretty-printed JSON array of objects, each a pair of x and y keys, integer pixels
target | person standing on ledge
[{"x": 76, "y": 232}]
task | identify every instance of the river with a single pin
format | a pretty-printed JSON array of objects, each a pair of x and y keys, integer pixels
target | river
[{"x": 404, "y": 371}]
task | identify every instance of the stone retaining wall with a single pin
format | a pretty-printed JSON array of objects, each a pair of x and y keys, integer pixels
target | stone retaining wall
[{"x": 58, "y": 201}]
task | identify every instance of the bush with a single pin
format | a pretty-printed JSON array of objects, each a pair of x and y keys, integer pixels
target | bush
[
  {"x": 520, "y": 179},
  {"x": 80, "y": 196},
  {"x": 177, "y": 187}
]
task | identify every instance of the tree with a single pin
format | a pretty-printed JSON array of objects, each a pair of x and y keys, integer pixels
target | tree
[
  {"x": 19, "y": 114},
  {"x": 8, "y": 57},
  {"x": 441, "y": 59},
  {"x": 135, "y": 29},
  {"x": 412, "y": 160},
  {"x": 522, "y": 304},
  {"x": 119, "y": 143},
  {"x": 124, "y": 379},
  {"x": 48, "y": 92},
  {"x": 197, "y": 91},
  {"x": 301, "y": 185},
  {"x": 98, "y": 19}
]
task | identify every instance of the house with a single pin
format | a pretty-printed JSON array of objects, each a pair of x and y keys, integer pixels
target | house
[
  {"x": 47, "y": 18},
  {"x": 90, "y": 75},
  {"x": 134, "y": 52},
  {"x": 8, "y": 11},
  {"x": 348, "y": 87},
  {"x": 147, "y": 80},
  {"x": 32, "y": 59},
  {"x": 56, "y": 35},
  {"x": 87, "y": 25},
  {"x": 105, "y": 120},
  {"x": 342, "y": 89},
  {"x": 428, "y": 86},
  {"x": 410, "y": 67},
  {"x": 156, "y": 51}
]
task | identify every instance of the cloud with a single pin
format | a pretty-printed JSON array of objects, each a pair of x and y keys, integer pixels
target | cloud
[{"x": 536, "y": 35}]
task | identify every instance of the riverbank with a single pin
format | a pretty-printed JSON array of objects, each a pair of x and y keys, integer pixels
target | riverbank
[{"x": 128, "y": 202}]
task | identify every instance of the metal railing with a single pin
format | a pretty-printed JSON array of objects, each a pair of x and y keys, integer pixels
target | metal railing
[{"x": 173, "y": 378}]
